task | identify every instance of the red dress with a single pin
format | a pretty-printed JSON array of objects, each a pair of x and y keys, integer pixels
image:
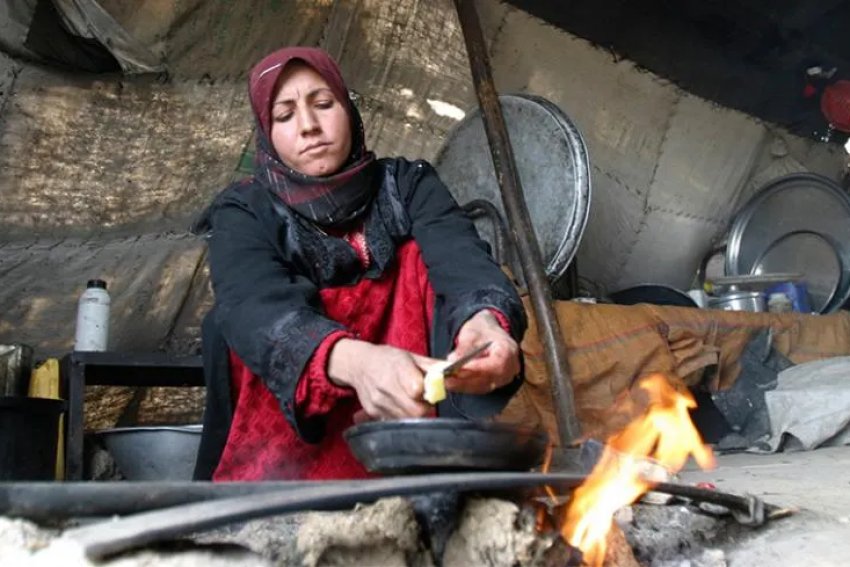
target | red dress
[{"x": 395, "y": 310}]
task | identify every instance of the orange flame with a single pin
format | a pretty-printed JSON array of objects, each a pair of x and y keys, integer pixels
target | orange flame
[{"x": 664, "y": 435}]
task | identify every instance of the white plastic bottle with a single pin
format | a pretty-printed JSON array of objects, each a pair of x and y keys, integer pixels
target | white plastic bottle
[{"x": 93, "y": 318}]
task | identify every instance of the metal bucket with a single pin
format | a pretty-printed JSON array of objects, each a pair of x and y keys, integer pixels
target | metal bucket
[
  {"x": 155, "y": 452},
  {"x": 752, "y": 301},
  {"x": 15, "y": 370}
]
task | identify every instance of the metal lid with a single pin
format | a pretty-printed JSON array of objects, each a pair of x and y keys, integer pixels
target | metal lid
[
  {"x": 787, "y": 225},
  {"x": 553, "y": 167}
]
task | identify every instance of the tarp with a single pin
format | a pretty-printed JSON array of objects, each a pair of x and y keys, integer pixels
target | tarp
[
  {"x": 78, "y": 34},
  {"x": 610, "y": 347},
  {"x": 810, "y": 406}
]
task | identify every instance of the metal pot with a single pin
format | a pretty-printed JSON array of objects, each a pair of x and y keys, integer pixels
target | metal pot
[
  {"x": 752, "y": 301},
  {"x": 153, "y": 452},
  {"x": 15, "y": 369}
]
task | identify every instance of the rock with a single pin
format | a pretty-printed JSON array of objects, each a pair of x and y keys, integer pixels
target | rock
[
  {"x": 19, "y": 539},
  {"x": 101, "y": 465},
  {"x": 496, "y": 533},
  {"x": 711, "y": 558},
  {"x": 624, "y": 516},
  {"x": 384, "y": 533},
  {"x": 619, "y": 552}
]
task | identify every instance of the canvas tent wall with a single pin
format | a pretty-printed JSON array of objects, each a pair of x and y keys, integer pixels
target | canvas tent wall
[
  {"x": 94, "y": 160},
  {"x": 77, "y": 34}
]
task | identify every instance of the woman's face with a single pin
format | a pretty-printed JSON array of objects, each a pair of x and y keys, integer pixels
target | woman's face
[{"x": 311, "y": 131}]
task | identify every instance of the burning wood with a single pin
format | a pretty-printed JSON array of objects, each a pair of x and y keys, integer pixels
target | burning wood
[{"x": 663, "y": 434}]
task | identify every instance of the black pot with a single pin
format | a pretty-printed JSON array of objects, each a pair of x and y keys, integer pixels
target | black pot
[
  {"x": 654, "y": 294},
  {"x": 29, "y": 433}
]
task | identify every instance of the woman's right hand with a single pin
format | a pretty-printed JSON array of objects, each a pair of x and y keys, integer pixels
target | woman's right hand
[{"x": 389, "y": 381}]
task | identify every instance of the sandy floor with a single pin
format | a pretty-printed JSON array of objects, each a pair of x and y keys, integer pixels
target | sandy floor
[{"x": 814, "y": 482}]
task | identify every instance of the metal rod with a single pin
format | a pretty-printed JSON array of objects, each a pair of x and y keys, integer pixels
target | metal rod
[
  {"x": 51, "y": 501},
  {"x": 219, "y": 504},
  {"x": 106, "y": 538},
  {"x": 521, "y": 229}
]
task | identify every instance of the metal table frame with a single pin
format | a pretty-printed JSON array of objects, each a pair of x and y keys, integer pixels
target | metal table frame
[{"x": 81, "y": 369}]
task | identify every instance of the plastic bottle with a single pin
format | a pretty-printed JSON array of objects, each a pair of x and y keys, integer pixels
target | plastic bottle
[
  {"x": 779, "y": 303},
  {"x": 93, "y": 318}
]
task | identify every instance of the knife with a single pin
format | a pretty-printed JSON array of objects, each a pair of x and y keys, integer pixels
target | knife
[{"x": 457, "y": 364}]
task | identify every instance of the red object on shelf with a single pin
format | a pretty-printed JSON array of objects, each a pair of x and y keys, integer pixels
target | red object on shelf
[{"x": 835, "y": 105}]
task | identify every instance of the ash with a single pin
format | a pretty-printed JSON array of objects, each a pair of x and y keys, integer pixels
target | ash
[{"x": 677, "y": 536}]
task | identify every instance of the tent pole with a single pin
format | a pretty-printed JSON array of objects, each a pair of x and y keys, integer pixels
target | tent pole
[{"x": 519, "y": 220}]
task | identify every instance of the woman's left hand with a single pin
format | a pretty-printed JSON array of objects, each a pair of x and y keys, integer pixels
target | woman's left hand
[{"x": 496, "y": 367}]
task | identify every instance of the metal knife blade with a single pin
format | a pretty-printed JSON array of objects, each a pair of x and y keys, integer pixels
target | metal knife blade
[{"x": 457, "y": 364}]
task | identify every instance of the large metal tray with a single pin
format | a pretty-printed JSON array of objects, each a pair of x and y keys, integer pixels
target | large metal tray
[
  {"x": 551, "y": 159},
  {"x": 442, "y": 444},
  {"x": 800, "y": 214}
]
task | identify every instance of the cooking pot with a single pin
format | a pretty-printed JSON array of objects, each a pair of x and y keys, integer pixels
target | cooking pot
[
  {"x": 738, "y": 301},
  {"x": 29, "y": 432},
  {"x": 654, "y": 294},
  {"x": 165, "y": 452}
]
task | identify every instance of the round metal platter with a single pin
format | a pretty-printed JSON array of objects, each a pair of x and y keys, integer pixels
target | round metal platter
[
  {"x": 805, "y": 204},
  {"x": 806, "y": 253},
  {"x": 553, "y": 167}
]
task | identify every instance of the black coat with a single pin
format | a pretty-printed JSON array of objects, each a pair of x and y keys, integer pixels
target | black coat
[{"x": 268, "y": 264}]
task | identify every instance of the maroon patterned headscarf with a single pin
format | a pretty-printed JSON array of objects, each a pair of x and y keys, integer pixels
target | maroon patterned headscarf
[{"x": 332, "y": 200}]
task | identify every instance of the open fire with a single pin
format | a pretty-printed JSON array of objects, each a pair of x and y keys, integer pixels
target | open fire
[{"x": 663, "y": 436}]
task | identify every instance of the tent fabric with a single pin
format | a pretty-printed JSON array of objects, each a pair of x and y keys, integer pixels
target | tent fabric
[
  {"x": 88, "y": 19},
  {"x": 54, "y": 42},
  {"x": 609, "y": 347},
  {"x": 78, "y": 34},
  {"x": 15, "y": 19}
]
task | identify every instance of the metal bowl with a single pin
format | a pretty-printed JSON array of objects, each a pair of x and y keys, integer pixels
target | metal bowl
[
  {"x": 154, "y": 452},
  {"x": 752, "y": 301}
]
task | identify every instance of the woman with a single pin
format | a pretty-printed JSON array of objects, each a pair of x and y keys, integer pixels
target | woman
[{"x": 337, "y": 277}]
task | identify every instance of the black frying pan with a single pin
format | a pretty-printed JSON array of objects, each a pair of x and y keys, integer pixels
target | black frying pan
[
  {"x": 441, "y": 444},
  {"x": 654, "y": 294}
]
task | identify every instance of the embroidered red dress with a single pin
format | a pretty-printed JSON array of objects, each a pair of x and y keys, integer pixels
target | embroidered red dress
[{"x": 395, "y": 310}]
